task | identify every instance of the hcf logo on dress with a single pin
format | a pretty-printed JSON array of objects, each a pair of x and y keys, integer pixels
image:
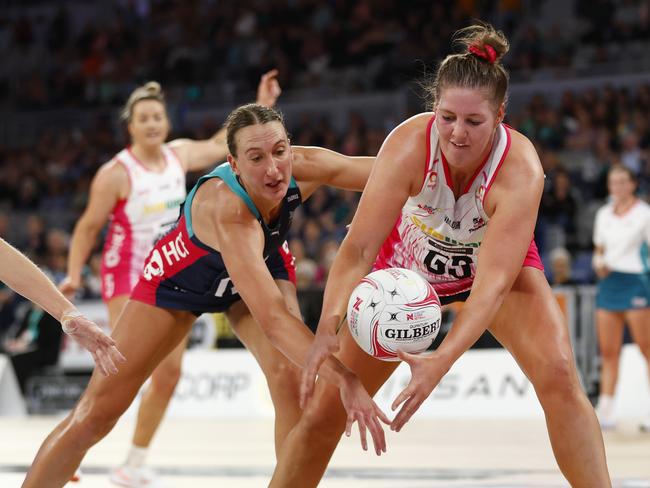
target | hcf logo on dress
[{"x": 173, "y": 251}]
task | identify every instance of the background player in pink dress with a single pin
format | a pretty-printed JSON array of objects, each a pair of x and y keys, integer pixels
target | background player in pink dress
[
  {"x": 480, "y": 232},
  {"x": 25, "y": 278},
  {"x": 223, "y": 256},
  {"x": 139, "y": 192}
]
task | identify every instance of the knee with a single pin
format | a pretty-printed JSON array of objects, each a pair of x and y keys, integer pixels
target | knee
[
  {"x": 93, "y": 418},
  {"x": 557, "y": 379},
  {"x": 284, "y": 377},
  {"x": 323, "y": 421},
  {"x": 609, "y": 353},
  {"x": 165, "y": 378}
]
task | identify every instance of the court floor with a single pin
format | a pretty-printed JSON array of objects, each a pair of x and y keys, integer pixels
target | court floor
[{"x": 427, "y": 453}]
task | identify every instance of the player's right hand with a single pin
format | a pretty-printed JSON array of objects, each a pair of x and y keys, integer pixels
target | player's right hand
[
  {"x": 69, "y": 286},
  {"x": 325, "y": 344},
  {"x": 92, "y": 338},
  {"x": 361, "y": 408}
]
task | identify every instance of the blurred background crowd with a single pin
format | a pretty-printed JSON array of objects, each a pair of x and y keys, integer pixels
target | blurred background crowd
[{"x": 69, "y": 65}]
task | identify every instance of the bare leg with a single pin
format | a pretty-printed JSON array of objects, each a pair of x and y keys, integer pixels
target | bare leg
[
  {"x": 531, "y": 326},
  {"x": 159, "y": 392},
  {"x": 311, "y": 443},
  {"x": 145, "y": 335},
  {"x": 156, "y": 398},
  {"x": 610, "y": 338},
  {"x": 115, "y": 306},
  {"x": 282, "y": 376},
  {"x": 639, "y": 323}
]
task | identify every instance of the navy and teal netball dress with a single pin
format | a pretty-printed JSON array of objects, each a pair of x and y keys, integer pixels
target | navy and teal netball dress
[{"x": 183, "y": 273}]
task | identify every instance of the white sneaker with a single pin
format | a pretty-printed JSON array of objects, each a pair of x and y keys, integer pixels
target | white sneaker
[
  {"x": 135, "y": 477},
  {"x": 606, "y": 419},
  {"x": 645, "y": 424}
]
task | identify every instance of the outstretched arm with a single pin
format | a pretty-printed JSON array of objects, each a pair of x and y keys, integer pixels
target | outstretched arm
[
  {"x": 199, "y": 155},
  {"x": 316, "y": 166},
  {"x": 24, "y": 277},
  {"x": 392, "y": 180},
  {"x": 109, "y": 185},
  {"x": 226, "y": 224}
]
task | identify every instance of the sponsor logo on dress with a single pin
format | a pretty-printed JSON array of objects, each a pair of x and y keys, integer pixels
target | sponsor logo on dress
[
  {"x": 454, "y": 224},
  {"x": 172, "y": 252},
  {"x": 432, "y": 180},
  {"x": 427, "y": 208},
  {"x": 478, "y": 222}
]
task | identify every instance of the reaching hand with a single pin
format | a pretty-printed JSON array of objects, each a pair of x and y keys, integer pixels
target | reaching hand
[
  {"x": 325, "y": 344},
  {"x": 361, "y": 409},
  {"x": 69, "y": 286},
  {"x": 426, "y": 373},
  {"x": 269, "y": 89},
  {"x": 92, "y": 338}
]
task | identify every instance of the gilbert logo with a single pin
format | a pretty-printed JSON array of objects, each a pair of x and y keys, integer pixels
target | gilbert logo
[
  {"x": 357, "y": 301},
  {"x": 172, "y": 251}
]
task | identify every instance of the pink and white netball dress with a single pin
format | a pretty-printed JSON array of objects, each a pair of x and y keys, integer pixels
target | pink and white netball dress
[
  {"x": 136, "y": 222},
  {"x": 439, "y": 236}
]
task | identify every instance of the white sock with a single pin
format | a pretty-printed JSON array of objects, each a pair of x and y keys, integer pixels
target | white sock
[
  {"x": 136, "y": 456},
  {"x": 605, "y": 405}
]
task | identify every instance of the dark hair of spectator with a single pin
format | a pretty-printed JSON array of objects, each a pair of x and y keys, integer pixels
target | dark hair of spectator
[
  {"x": 249, "y": 114},
  {"x": 478, "y": 66},
  {"x": 623, "y": 169},
  {"x": 149, "y": 91}
]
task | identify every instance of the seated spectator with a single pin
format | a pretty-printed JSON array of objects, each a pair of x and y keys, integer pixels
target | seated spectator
[
  {"x": 560, "y": 260},
  {"x": 36, "y": 343}
]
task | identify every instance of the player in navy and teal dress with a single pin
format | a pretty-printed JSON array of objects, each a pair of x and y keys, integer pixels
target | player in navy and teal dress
[
  {"x": 226, "y": 253},
  {"x": 183, "y": 273}
]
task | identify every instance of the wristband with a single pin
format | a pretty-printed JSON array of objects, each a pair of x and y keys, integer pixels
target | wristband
[{"x": 67, "y": 317}]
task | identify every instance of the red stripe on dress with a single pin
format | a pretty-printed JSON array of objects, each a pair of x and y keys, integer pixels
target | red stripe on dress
[
  {"x": 503, "y": 157},
  {"x": 289, "y": 262},
  {"x": 175, "y": 156},
  {"x": 427, "y": 161},
  {"x": 118, "y": 252},
  {"x": 478, "y": 170},
  {"x": 128, "y": 149},
  {"x": 445, "y": 166},
  {"x": 388, "y": 248}
]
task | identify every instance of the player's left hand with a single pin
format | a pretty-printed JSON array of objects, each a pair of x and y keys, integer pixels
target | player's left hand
[
  {"x": 92, "y": 338},
  {"x": 426, "y": 373},
  {"x": 269, "y": 89},
  {"x": 361, "y": 408}
]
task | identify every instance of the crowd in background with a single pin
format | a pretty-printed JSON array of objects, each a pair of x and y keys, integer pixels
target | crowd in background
[
  {"x": 88, "y": 53},
  {"x": 54, "y": 58}
]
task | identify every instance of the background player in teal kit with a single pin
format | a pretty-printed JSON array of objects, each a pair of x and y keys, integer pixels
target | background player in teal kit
[{"x": 223, "y": 255}]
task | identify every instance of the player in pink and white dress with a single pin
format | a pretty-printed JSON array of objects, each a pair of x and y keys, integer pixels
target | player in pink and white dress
[
  {"x": 453, "y": 195},
  {"x": 139, "y": 193}
]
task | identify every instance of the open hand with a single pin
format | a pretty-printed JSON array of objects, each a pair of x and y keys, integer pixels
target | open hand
[
  {"x": 361, "y": 409},
  {"x": 269, "y": 89},
  {"x": 325, "y": 344},
  {"x": 92, "y": 338},
  {"x": 426, "y": 373},
  {"x": 69, "y": 286}
]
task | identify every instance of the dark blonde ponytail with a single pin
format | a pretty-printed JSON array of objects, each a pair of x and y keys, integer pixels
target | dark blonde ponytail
[{"x": 477, "y": 66}]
